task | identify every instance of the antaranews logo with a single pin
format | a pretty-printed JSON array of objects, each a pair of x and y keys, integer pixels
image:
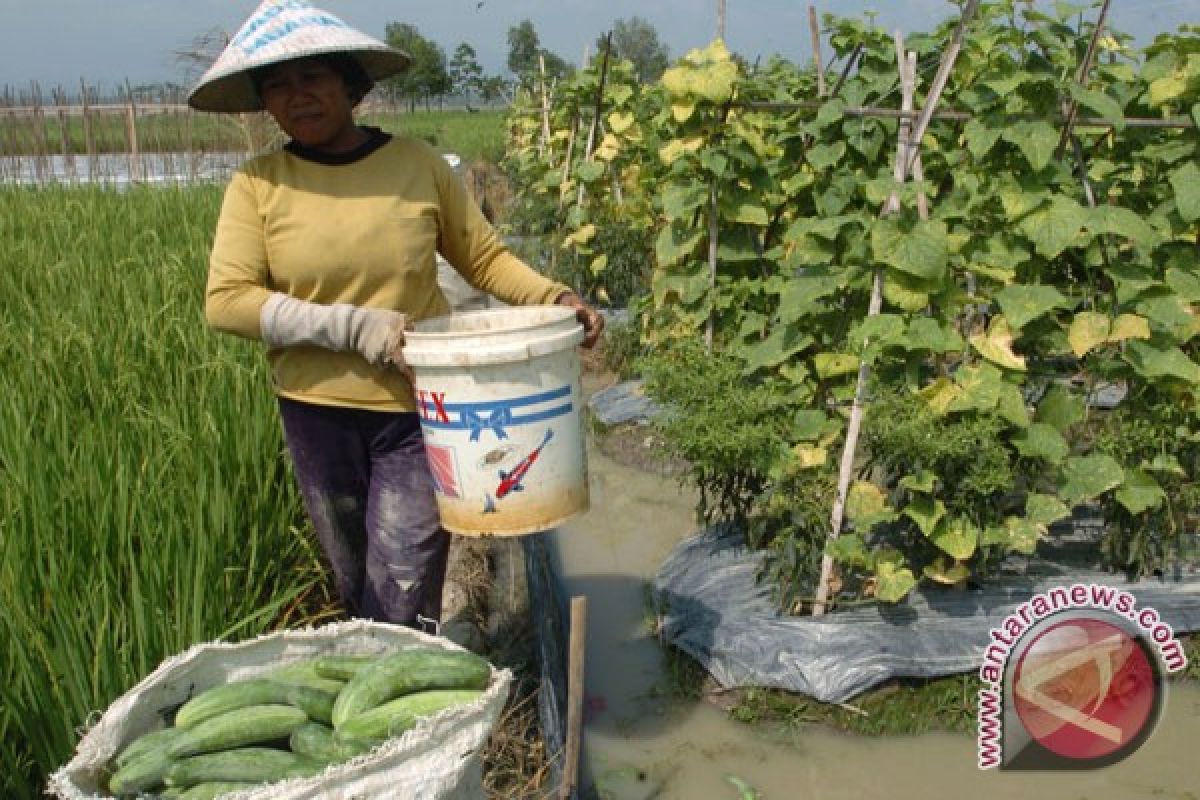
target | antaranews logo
[{"x": 1073, "y": 679}]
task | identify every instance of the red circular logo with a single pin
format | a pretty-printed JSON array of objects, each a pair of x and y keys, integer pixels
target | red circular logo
[{"x": 1086, "y": 689}]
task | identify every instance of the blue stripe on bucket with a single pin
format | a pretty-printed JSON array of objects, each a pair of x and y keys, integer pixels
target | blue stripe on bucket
[
  {"x": 499, "y": 419},
  {"x": 489, "y": 405}
]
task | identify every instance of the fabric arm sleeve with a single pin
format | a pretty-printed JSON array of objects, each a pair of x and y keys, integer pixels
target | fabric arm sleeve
[
  {"x": 471, "y": 245},
  {"x": 238, "y": 282}
]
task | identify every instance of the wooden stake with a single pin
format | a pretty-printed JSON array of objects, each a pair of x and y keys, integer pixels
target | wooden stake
[
  {"x": 713, "y": 226},
  {"x": 131, "y": 134},
  {"x": 815, "y": 30},
  {"x": 566, "y": 167},
  {"x": 575, "y": 677},
  {"x": 545, "y": 140},
  {"x": 858, "y": 48},
  {"x": 1082, "y": 79},
  {"x": 591, "y": 138},
  {"x": 64, "y": 133},
  {"x": 89, "y": 141}
]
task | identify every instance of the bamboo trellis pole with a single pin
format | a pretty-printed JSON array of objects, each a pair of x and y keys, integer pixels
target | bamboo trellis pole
[
  {"x": 815, "y": 30},
  {"x": 544, "y": 142},
  {"x": 1084, "y": 68},
  {"x": 907, "y": 151},
  {"x": 38, "y": 135},
  {"x": 878, "y": 112},
  {"x": 64, "y": 133},
  {"x": 591, "y": 138},
  {"x": 89, "y": 141},
  {"x": 131, "y": 134}
]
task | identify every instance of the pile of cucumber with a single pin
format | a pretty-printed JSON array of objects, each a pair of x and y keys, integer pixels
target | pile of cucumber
[{"x": 294, "y": 721}]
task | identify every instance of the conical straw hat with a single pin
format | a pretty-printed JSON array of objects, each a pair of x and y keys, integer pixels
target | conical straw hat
[{"x": 280, "y": 30}]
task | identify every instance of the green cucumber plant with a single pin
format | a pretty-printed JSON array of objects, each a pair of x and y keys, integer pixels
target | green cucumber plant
[{"x": 1026, "y": 292}]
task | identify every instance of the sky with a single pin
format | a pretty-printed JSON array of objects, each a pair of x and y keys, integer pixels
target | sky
[{"x": 107, "y": 42}]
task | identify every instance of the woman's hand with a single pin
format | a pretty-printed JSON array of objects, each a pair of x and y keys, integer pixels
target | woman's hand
[{"x": 591, "y": 319}]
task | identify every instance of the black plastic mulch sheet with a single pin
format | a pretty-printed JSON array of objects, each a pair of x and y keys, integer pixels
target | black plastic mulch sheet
[{"x": 711, "y": 607}]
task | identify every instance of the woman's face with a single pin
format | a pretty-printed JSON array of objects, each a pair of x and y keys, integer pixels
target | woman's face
[{"x": 310, "y": 102}]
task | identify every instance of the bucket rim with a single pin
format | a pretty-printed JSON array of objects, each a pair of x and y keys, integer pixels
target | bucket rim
[{"x": 555, "y": 314}]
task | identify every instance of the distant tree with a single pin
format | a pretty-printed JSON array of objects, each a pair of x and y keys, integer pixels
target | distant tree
[
  {"x": 465, "y": 73},
  {"x": 524, "y": 52},
  {"x": 427, "y": 77},
  {"x": 493, "y": 88},
  {"x": 637, "y": 40},
  {"x": 555, "y": 67},
  {"x": 523, "y": 48}
]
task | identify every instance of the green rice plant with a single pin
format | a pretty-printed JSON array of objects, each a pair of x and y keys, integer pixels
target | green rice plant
[
  {"x": 145, "y": 500},
  {"x": 474, "y": 135}
]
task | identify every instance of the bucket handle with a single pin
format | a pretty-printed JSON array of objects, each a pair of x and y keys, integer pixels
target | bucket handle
[{"x": 522, "y": 352}]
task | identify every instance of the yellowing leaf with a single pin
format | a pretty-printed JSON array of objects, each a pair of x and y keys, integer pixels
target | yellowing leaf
[
  {"x": 709, "y": 73},
  {"x": 957, "y": 537},
  {"x": 863, "y": 500},
  {"x": 940, "y": 395},
  {"x": 893, "y": 582},
  {"x": 682, "y": 110},
  {"x": 902, "y": 296},
  {"x": 609, "y": 148},
  {"x": 1129, "y": 326},
  {"x": 580, "y": 237},
  {"x": 598, "y": 264},
  {"x": 677, "y": 147},
  {"x": 1024, "y": 535},
  {"x": 1168, "y": 88},
  {"x": 996, "y": 345},
  {"x": 620, "y": 121},
  {"x": 808, "y": 457},
  {"x": 942, "y": 572},
  {"x": 1088, "y": 331},
  {"x": 831, "y": 365}
]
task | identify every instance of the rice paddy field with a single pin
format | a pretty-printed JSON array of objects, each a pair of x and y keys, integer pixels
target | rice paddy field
[
  {"x": 145, "y": 500},
  {"x": 42, "y": 131}
]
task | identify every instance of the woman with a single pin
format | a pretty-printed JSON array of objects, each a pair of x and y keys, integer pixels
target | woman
[{"x": 326, "y": 251}]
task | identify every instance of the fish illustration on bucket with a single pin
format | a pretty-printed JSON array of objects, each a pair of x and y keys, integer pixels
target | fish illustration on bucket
[{"x": 499, "y": 397}]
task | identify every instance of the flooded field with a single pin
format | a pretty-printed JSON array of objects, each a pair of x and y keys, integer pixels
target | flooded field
[
  {"x": 119, "y": 169},
  {"x": 640, "y": 745}
]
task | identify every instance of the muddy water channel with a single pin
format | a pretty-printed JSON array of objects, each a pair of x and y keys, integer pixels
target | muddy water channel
[{"x": 639, "y": 744}]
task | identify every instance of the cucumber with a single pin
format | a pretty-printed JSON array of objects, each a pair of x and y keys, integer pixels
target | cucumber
[
  {"x": 405, "y": 672},
  {"x": 242, "y": 726},
  {"x": 342, "y": 667},
  {"x": 317, "y": 741},
  {"x": 396, "y": 716},
  {"x": 214, "y": 789},
  {"x": 316, "y": 703},
  {"x": 145, "y": 743},
  {"x": 146, "y": 771},
  {"x": 246, "y": 764},
  {"x": 230, "y": 696},
  {"x": 304, "y": 673}
]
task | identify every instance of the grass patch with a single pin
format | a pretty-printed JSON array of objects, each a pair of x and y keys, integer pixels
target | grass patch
[
  {"x": 476, "y": 136},
  {"x": 902, "y": 707}
]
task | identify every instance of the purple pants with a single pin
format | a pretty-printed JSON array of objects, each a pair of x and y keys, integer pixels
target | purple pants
[{"x": 369, "y": 495}]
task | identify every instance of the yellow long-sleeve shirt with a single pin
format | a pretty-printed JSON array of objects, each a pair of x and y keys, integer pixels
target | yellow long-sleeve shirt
[{"x": 364, "y": 233}]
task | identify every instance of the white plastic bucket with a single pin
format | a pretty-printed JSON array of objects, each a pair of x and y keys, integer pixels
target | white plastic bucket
[{"x": 499, "y": 396}]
